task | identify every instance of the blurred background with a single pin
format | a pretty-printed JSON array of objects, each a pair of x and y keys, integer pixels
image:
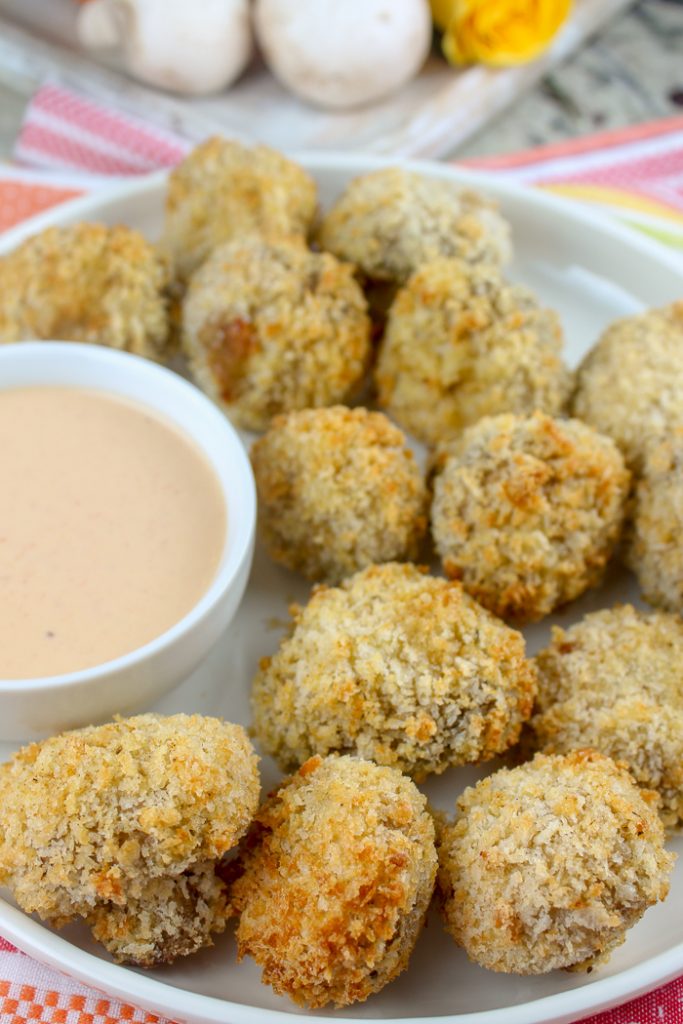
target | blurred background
[{"x": 389, "y": 86}]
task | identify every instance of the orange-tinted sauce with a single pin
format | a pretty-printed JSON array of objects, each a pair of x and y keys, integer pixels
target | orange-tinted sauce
[{"x": 112, "y": 525}]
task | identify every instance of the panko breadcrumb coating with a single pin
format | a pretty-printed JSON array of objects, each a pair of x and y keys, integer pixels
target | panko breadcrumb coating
[
  {"x": 462, "y": 343},
  {"x": 122, "y": 823},
  {"x": 613, "y": 681},
  {"x": 396, "y": 666},
  {"x": 338, "y": 490},
  {"x": 169, "y": 917},
  {"x": 89, "y": 283},
  {"x": 270, "y": 327},
  {"x": 339, "y": 870},
  {"x": 549, "y": 864},
  {"x": 391, "y": 221},
  {"x": 630, "y": 385},
  {"x": 223, "y": 191},
  {"x": 655, "y": 542},
  {"x": 527, "y": 511}
]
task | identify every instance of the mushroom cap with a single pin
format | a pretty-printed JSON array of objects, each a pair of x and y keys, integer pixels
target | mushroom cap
[
  {"x": 549, "y": 864},
  {"x": 343, "y": 55},
  {"x": 163, "y": 42}
]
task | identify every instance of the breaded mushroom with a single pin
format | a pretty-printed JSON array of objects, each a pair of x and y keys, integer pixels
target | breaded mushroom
[
  {"x": 89, "y": 283},
  {"x": 223, "y": 191},
  {"x": 462, "y": 343},
  {"x": 613, "y": 681},
  {"x": 168, "y": 917},
  {"x": 655, "y": 536},
  {"x": 396, "y": 666},
  {"x": 338, "y": 490},
  {"x": 549, "y": 864},
  {"x": 391, "y": 221},
  {"x": 270, "y": 327},
  {"x": 630, "y": 385},
  {"x": 527, "y": 511},
  {"x": 123, "y": 824},
  {"x": 338, "y": 873}
]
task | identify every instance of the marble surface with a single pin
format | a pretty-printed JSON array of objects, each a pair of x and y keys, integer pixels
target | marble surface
[{"x": 632, "y": 71}]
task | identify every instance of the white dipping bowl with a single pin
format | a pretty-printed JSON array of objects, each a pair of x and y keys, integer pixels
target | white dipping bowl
[{"x": 34, "y": 708}]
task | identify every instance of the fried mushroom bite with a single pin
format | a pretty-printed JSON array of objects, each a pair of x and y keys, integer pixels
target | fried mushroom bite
[
  {"x": 613, "y": 681},
  {"x": 162, "y": 918},
  {"x": 396, "y": 666},
  {"x": 338, "y": 873},
  {"x": 462, "y": 343},
  {"x": 549, "y": 864},
  {"x": 89, "y": 283},
  {"x": 527, "y": 511},
  {"x": 391, "y": 221},
  {"x": 270, "y": 327},
  {"x": 630, "y": 385},
  {"x": 223, "y": 191},
  {"x": 122, "y": 824},
  {"x": 338, "y": 490},
  {"x": 655, "y": 536}
]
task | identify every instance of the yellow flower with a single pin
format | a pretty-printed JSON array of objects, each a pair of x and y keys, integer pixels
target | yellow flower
[{"x": 497, "y": 32}]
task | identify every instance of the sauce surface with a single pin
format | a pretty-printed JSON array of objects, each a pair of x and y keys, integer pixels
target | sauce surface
[{"x": 112, "y": 525}]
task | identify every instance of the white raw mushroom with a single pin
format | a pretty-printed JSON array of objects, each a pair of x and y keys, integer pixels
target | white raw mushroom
[
  {"x": 192, "y": 48},
  {"x": 343, "y": 53}
]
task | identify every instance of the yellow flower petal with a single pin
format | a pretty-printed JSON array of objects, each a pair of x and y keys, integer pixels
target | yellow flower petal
[{"x": 500, "y": 32}]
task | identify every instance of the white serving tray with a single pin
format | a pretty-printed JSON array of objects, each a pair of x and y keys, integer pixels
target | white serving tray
[
  {"x": 591, "y": 271},
  {"x": 429, "y": 117}
]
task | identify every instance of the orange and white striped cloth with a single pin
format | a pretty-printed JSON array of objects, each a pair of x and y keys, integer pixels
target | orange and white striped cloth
[
  {"x": 635, "y": 173},
  {"x": 69, "y": 145}
]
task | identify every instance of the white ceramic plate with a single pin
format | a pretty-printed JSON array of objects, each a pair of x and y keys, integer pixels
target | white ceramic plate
[{"x": 591, "y": 271}]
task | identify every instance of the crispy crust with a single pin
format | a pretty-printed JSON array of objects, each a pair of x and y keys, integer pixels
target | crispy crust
[
  {"x": 654, "y": 549},
  {"x": 169, "y": 917},
  {"x": 392, "y": 221},
  {"x": 86, "y": 282},
  {"x": 106, "y": 822},
  {"x": 396, "y": 666},
  {"x": 527, "y": 511},
  {"x": 485, "y": 347},
  {"x": 549, "y": 864},
  {"x": 270, "y": 327},
  {"x": 338, "y": 490},
  {"x": 338, "y": 872},
  {"x": 224, "y": 190},
  {"x": 613, "y": 682},
  {"x": 630, "y": 385}
]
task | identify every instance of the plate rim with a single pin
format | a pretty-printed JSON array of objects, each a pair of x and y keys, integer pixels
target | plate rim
[
  {"x": 354, "y": 163},
  {"x": 161, "y": 997}
]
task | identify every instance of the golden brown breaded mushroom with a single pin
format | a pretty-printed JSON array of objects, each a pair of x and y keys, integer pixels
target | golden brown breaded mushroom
[
  {"x": 270, "y": 327},
  {"x": 168, "y": 917},
  {"x": 613, "y": 681},
  {"x": 338, "y": 490},
  {"x": 462, "y": 343},
  {"x": 337, "y": 876},
  {"x": 655, "y": 537},
  {"x": 527, "y": 511},
  {"x": 630, "y": 385},
  {"x": 224, "y": 190},
  {"x": 549, "y": 864},
  {"x": 391, "y": 221},
  {"x": 86, "y": 282},
  {"x": 396, "y": 666},
  {"x": 121, "y": 824}
]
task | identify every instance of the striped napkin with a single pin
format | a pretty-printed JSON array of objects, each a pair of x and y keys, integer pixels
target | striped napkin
[
  {"x": 69, "y": 146},
  {"x": 635, "y": 173}
]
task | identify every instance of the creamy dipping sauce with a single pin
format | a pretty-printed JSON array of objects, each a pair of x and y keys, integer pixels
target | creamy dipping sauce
[{"x": 112, "y": 524}]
